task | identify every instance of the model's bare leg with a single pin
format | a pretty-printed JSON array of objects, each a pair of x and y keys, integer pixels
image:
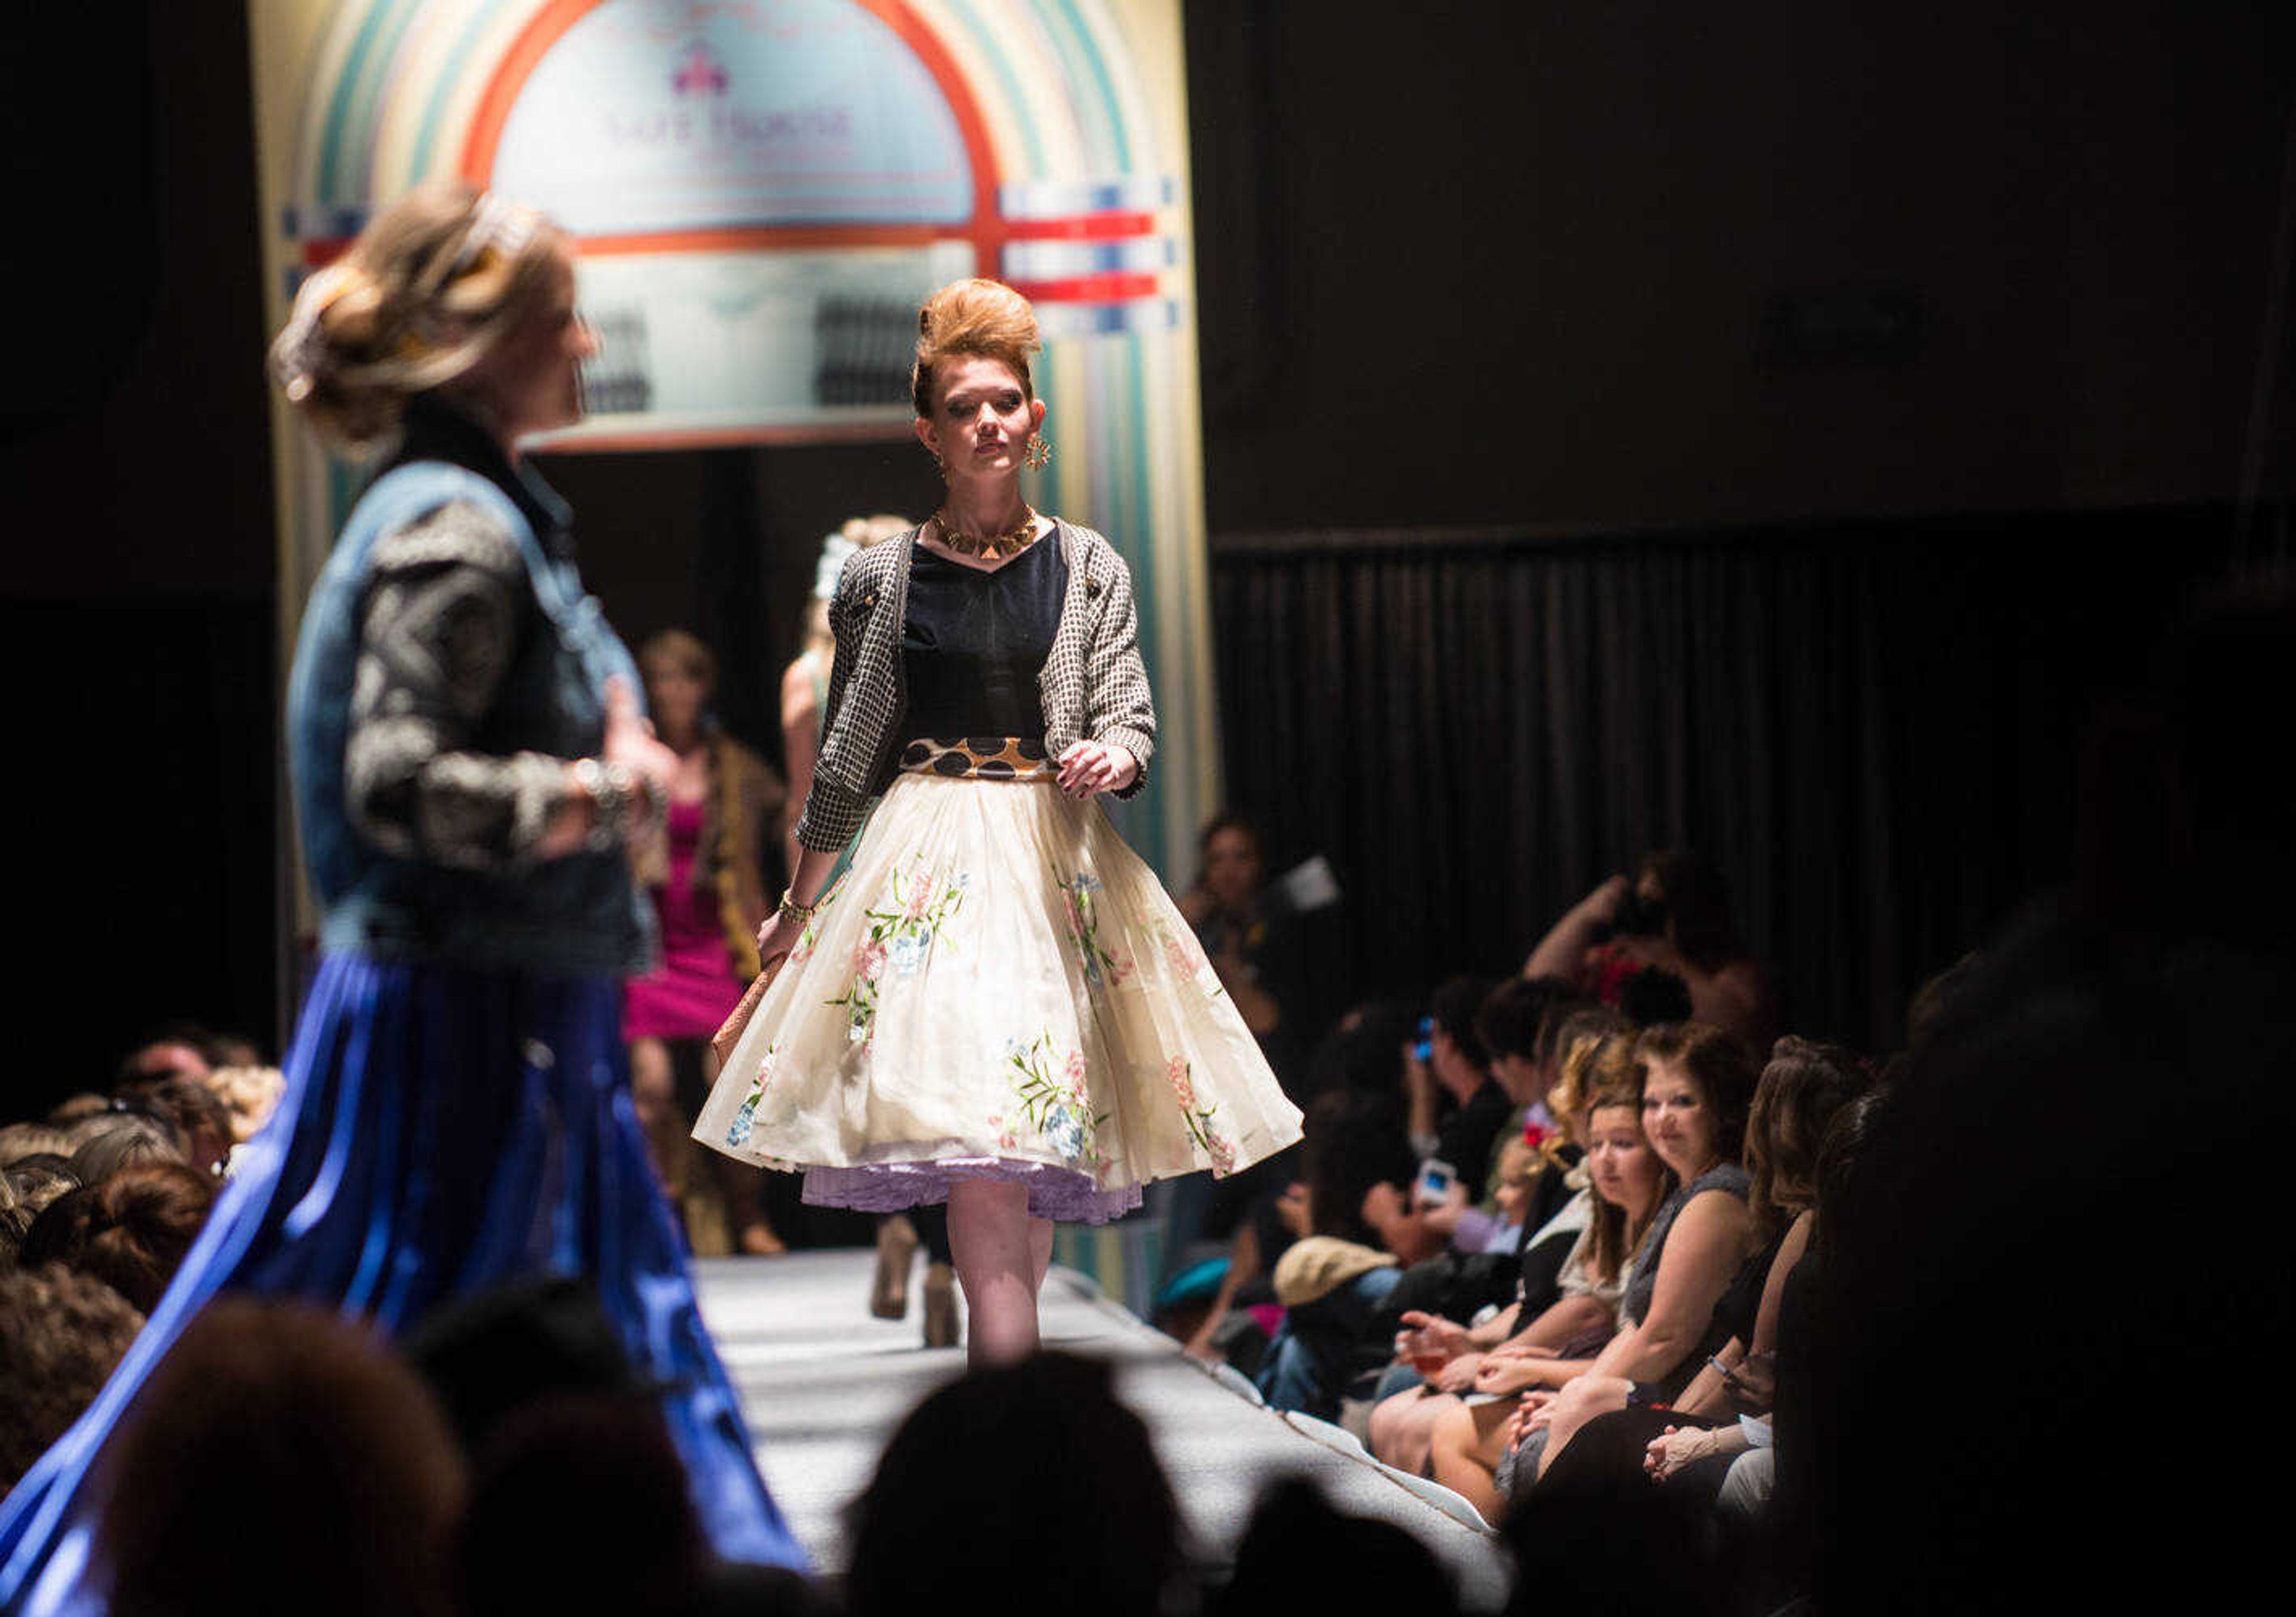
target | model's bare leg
[
  {"x": 991, "y": 1239},
  {"x": 1040, "y": 1249}
]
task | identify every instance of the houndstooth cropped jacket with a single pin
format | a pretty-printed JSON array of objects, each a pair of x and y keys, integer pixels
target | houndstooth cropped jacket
[{"x": 1093, "y": 684}]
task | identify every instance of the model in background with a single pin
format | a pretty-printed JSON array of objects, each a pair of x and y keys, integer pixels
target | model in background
[
  {"x": 997, "y": 1005},
  {"x": 701, "y": 869},
  {"x": 470, "y": 764},
  {"x": 804, "y": 693}
]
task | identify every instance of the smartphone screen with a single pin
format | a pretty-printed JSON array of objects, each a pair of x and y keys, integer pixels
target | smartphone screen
[
  {"x": 1435, "y": 1179},
  {"x": 1423, "y": 1049}
]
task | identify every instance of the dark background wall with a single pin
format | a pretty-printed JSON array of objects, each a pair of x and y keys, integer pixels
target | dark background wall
[
  {"x": 1495, "y": 276},
  {"x": 1600, "y": 266}
]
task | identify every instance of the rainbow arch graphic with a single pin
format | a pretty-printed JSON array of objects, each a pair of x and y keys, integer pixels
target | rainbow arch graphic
[{"x": 1042, "y": 141}]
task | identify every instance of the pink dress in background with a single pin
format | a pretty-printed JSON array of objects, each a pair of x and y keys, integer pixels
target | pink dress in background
[{"x": 689, "y": 993}]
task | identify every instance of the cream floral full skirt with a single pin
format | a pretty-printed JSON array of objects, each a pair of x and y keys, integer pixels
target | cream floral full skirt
[{"x": 998, "y": 987}]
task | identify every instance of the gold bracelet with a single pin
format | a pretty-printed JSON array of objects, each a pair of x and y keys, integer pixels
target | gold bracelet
[{"x": 795, "y": 911}]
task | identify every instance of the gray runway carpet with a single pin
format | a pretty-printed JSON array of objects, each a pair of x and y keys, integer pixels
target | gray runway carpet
[{"x": 824, "y": 1384}]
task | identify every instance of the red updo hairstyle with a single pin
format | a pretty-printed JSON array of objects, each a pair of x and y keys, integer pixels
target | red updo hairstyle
[{"x": 983, "y": 318}]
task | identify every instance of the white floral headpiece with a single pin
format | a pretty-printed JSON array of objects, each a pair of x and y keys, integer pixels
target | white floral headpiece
[
  {"x": 295, "y": 356},
  {"x": 504, "y": 225},
  {"x": 835, "y": 549}
]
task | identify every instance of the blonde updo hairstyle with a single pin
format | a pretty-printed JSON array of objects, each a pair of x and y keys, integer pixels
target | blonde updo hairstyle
[
  {"x": 857, "y": 533},
  {"x": 983, "y": 318},
  {"x": 433, "y": 283}
]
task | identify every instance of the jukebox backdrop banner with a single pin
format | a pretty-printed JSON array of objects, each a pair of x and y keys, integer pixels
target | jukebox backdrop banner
[{"x": 761, "y": 193}]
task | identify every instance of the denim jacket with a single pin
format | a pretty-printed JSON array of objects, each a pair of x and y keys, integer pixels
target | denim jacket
[{"x": 581, "y": 914}]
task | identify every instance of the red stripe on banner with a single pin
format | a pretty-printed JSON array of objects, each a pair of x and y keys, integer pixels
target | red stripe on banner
[
  {"x": 319, "y": 254},
  {"x": 1117, "y": 287},
  {"x": 1082, "y": 228}
]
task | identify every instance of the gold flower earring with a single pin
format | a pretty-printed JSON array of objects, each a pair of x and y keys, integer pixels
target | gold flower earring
[{"x": 1040, "y": 453}]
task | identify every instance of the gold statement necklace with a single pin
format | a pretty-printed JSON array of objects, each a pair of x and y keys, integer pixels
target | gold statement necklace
[{"x": 989, "y": 546}]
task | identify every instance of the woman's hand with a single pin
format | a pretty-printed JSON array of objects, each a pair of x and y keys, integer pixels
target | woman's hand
[
  {"x": 1427, "y": 1335},
  {"x": 1677, "y": 1448},
  {"x": 1508, "y": 1374},
  {"x": 1459, "y": 1376},
  {"x": 1529, "y": 1415},
  {"x": 1091, "y": 767},
  {"x": 1753, "y": 1384},
  {"x": 777, "y": 937}
]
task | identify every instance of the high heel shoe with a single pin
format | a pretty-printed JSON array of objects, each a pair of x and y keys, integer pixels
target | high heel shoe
[
  {"x": 897, "y": 1245},
  {"x": 942, "y": 1326}
]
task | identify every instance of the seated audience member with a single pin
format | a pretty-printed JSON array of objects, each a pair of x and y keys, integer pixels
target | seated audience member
[
  {"x": 1560, "y": 1201},
  {"x": 107, "y": 1144},
  {"x": 199, "y": 1118},
  {"x": 1361, "y": 1227},
  {"x": 1300, "y": 1554},
  {"x": 1698, "y": 1082},
  {"x": 249, "y": 1095},
  {"x": 1513, "y": 1173},
  {"x": 22, "y": 1140},
  {"x": 1515, "y": 1024},
  {"x": 1674, "y": 914},
  {"x": 1782, "y": 1540},
  {"x": 283, "y": 1415},
  {"x": 1028, "y": 1486},
  {"x": 1248, "y": 938},
  {"x": 61, "y": 1333},
  {"x": 185, "y": 1052},
  {"x": 1804, "y": 1087},
  {"x": 129, "y": 1230},
  {"x": 1252, "y": 945},
  {"x": 578, "y": 1503},
  {"x": 489, "y": 1355},
  {"x": 1493, "y": 1292},
  {"x": 1456, "y": 1071},
  {"x": 39, "y": 1179},
  {"x": 14, "y": 1220},
  {"x": 1627, "y": 1182},
  {"x": 1630, "y": 1552}
]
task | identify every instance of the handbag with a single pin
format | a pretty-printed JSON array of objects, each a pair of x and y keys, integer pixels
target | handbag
[{"x": 729, "y": 1032}]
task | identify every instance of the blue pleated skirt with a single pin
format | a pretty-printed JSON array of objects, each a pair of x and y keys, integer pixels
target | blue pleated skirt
[{"x": 442, "y": 1131}]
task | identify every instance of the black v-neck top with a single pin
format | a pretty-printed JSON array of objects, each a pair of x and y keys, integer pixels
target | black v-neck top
[{"x": 972, "y": 643}]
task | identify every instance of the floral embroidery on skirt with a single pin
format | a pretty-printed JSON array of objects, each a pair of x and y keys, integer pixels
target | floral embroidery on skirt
[{"x": 1001, "y": 988}]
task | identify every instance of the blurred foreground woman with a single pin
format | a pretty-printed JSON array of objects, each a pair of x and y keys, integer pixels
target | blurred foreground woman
[{"x": 468, "y": 764}]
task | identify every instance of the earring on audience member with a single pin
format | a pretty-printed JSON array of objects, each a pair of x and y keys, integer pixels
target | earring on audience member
[
  {"x": 1040, "y": 453},
  {"x": 940, "y": 464}
]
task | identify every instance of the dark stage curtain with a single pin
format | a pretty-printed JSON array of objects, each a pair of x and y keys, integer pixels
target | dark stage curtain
[{"x": 1874, "y": 729}]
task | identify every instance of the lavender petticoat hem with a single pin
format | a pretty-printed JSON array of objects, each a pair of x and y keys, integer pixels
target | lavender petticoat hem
[{"x": 1060, "y": 1194}]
